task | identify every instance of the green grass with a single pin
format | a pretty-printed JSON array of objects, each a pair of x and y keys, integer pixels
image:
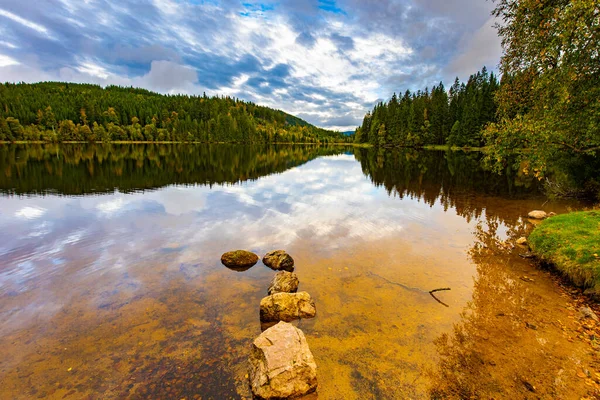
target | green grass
[{"x": 571, "y": 242}]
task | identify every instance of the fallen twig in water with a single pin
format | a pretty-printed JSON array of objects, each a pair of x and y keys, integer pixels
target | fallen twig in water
[
  {"x": 439, "y": 290},
  {"x": 413, "y": 289},
  {"x": 438, "y": 300}
]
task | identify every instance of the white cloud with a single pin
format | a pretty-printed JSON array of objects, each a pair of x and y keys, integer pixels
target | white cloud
[
  {"x": 111, "y": 206},
  {"x": 30, "y": 212},
  {"x": 31, "y": 25},
  {"x": 6, "y": 61},
  {"x": 347, "y": 63}
]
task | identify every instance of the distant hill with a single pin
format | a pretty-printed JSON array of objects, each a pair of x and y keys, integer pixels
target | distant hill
[{"x": 59, "y": 111}]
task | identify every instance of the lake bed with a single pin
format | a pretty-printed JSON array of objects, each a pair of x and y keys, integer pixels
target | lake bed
[{"x": 111, "y": 284}]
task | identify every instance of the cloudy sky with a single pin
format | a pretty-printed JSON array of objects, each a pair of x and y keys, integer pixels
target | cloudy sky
[{"x": 326, "y": 61}]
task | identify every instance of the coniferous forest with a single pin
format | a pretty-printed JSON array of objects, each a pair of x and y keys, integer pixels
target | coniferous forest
[
  {"x": 434, "y": 117},
  {"x": 61, "y": 112}
]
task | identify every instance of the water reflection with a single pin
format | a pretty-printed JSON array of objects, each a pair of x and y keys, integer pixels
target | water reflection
[
  {"x": 516, "y": 336},
  {"x": 101, "y": 168},
  {"x": 122, "y": 293}
]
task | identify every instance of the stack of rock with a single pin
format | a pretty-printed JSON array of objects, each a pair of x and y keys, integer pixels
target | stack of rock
[{"x": 281, "y": 364}]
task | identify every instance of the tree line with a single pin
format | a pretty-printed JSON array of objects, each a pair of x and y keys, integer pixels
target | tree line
[
  {"x": 434, "y": 117},
  {"x": 60, "y": 112}
]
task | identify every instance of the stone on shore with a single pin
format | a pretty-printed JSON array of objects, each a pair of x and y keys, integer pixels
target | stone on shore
[
  {"x": 284, "y": 282},
  {"x": 522, "y": 241},
  {"x": 537, "y": 214},
  {"x": 279, "y": 260},
  {"x": 287, "y": 307},
  {"x": 281, "y": 364},
  {"x": 239, "y": 259}
]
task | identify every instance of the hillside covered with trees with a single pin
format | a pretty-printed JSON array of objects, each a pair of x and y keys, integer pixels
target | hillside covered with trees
[{"x": 58, "y": 112}]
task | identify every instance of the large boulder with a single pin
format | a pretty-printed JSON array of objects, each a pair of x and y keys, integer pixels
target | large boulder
[
  {"x": 279, "y": 260},
  {"x": 287, "y": 307},
  {"x": 281, "y": 364},
  {"x": 239, "y": 260},
  {"x": 537, "y": 214},
  {"x": 284, "y": 282}
]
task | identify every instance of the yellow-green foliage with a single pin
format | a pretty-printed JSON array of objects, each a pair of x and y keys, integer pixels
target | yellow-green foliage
[{"x": 572, "y": 243}]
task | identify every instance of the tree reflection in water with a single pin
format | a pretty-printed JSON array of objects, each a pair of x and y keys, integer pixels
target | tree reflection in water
[{"x": 515, "y": 337}]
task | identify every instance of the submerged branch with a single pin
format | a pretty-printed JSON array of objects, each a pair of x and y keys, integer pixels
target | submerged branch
[
  {"x": 438, "y": 300},
  {"x": 439, "y": 290},
  {"x": 413, "y": 289}
]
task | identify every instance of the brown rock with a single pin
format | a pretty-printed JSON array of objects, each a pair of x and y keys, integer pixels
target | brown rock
[
  {"x": 239, "y": 260},
  {"x": 537, "y": 214},
  {"x": 284, "y": 282},
  {"x": 279, "y": 260},
  {"x": 287, "y": 307},
  {"x": 281, "y": 364},
  {"x": 522, "y": 241}
]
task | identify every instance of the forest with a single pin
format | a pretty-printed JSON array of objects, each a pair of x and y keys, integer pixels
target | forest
[
  {"x": 437, "y": 117},
  {"x": 65, "y": 112},
  {"x": 542, "y": 118}
]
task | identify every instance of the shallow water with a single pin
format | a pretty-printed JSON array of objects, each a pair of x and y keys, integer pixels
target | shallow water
[{"x": 111, "y": 284}]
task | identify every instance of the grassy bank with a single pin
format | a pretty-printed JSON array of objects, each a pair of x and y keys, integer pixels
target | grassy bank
[{"x": 571, "y": 242}]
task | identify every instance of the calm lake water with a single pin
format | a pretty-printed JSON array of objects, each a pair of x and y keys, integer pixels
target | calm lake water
[{"x": 111, "y": 284}]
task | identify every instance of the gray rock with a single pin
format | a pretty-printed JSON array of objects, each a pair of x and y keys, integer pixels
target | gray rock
[
  {"x": 279, "y": 260},
  {"x": 287, "y": 307},
  {"x": 587, "y": 312},
  {"x": 537, "y": 214},
  {"x": 284, "y": 282},
  {"x": 239, "y": 259},
  {"x": 281, "y": 364}
]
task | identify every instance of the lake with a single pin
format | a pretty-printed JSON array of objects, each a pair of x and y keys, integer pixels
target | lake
[{"x": 111, "y": 284}]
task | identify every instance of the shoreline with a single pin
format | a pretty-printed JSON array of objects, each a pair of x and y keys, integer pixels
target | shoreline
[
  {"x": 359, "y": 145},
  {"x": 570, "y": 244}
]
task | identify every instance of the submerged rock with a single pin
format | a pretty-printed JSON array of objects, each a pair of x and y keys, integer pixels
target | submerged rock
[
  {"x": 522, "y": 241},
  {"x": 279, "y": 260},
  {"x": 587, "y": 312},
  {"x": 537, "y": 214},
  {"x": 281, "y": 364},
  {"x": 287, "y": 307},
  {"x": 240, "y": 260},
  {"x": 284, "y": 282}
]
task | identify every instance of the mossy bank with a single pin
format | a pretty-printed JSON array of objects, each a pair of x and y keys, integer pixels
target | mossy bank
[{"x": 571, "y": 242}]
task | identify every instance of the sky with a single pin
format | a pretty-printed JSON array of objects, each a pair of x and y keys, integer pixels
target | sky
[{"x": 326, "y": 61}]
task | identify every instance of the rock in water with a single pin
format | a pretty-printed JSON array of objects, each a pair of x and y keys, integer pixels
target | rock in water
[
  {"x": 281, "y": 364},
  {"x": 587, "y": 312},
  {"x": 537, "y": 214},
  {"x": 522, "y": 241},
  {"x": 287, "y": 307},
  {"x": 279, "y": 260},
  {"x": 284, "y": 282},
  {"x": 239, "y": 259}
]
